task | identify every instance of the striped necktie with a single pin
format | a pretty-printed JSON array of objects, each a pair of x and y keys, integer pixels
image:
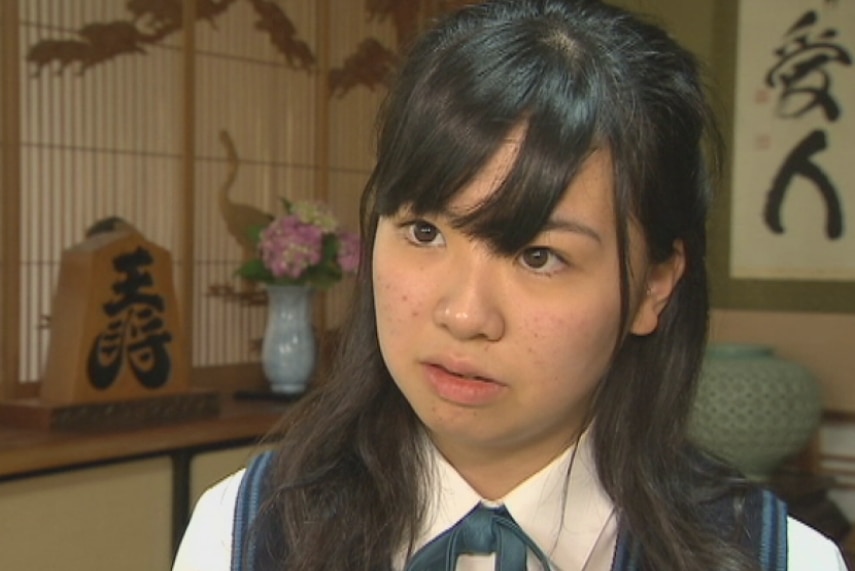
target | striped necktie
[{"x": 484, "y": 530}]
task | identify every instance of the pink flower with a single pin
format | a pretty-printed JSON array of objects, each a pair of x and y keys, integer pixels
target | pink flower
[
  {"x": 288, "y": 246},
  {"x": 348, "y": 251},
  {"x": 305, "y": 246}
]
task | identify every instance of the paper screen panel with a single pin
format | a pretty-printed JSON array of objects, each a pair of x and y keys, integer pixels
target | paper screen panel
[{"x": 97, "y": 140}]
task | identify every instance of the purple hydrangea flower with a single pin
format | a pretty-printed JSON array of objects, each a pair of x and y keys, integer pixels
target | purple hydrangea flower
[
  {"x": 348, "y": 251},
  {"x": 288, "y": 246},
  {"x": 304, "y": 246}
]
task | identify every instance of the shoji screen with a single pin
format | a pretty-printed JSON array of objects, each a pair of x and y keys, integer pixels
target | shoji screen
[{"x": 128, "y": 108}]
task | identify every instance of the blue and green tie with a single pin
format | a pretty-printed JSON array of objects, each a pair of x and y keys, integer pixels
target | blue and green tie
[{"x": 483, "y": 531}]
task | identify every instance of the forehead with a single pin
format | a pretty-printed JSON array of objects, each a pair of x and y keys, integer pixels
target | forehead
[
  {"x": 588, "y": 199},
  {"x": 500, "y": 187},
  {"x": 490, "y": 178}
]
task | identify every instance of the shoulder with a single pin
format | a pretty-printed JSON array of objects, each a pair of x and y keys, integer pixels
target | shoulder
[
  {"x": 809, "y": 550},
  {"x": 207, "y": 541},
  {"x": 221, "y": 496}
]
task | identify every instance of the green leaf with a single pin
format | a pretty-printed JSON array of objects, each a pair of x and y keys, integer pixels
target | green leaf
[
  {"x": 255, "y": 270},
  {"x": 254, "y": 232},
  {"x": 323, "y": 275},
  {"x": 329, "y": 247}
]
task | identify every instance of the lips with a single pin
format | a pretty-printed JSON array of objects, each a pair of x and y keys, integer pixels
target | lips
[{"x": 462, "y": 385}]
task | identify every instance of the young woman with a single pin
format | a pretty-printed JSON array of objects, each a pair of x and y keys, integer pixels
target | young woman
[{"x": 529, "y": 323}]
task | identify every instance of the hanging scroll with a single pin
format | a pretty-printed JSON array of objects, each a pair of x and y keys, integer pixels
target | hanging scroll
[{"x": 793, "y": 203}]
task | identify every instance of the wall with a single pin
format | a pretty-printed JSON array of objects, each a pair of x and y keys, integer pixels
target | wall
[
  {"x": 820, "y": 341},
  {"x": 96, "y": 519},
  {"x": 108, "y": 518},
  {"x": 139, "y": 134}
]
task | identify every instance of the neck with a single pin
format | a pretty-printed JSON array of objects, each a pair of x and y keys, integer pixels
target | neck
[{"x": 495, "y": 473}]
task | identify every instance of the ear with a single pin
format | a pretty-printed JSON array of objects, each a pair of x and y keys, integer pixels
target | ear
[{"x": 660, "y": 283}]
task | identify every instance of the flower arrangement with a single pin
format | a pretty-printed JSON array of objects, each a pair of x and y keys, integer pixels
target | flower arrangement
[{"x": 305, "y": 246}]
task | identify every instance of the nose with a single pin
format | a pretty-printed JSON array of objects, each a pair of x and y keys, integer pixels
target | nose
[{"x": 470, "y": 304}]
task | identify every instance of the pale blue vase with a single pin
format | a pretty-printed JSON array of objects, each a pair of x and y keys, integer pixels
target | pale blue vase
[{"x": 288, "y": 348}]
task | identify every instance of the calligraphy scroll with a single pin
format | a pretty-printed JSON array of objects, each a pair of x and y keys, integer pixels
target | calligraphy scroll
[{"x": 793, "y": 202}]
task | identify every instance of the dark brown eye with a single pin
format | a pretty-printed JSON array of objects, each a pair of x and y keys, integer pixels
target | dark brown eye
[
  {"x": 542, "y": 260},
  {"x": 424, "y": 232},
  {"x": 535, "y": 258}
]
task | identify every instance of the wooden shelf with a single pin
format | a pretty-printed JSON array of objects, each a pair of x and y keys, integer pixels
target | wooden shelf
[{"x": 26, "y": 451}]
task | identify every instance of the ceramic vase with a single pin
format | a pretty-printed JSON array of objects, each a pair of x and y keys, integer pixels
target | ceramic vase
[
  {"x": 288, "y": 347},
  {"x": 753, "y": 408}
]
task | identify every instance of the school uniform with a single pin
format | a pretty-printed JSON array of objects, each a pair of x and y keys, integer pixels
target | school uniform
[{"x": 572, "y": 521}]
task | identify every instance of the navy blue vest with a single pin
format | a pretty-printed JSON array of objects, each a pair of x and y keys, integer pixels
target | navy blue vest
[{"x": 765, "y": 521}]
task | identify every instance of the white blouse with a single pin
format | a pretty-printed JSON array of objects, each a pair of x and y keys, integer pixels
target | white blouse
[{"x": 571, "y": 520}]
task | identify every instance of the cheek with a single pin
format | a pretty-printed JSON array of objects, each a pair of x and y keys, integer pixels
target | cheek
[
  {"x": 547, "y": 337},
  {"x": 577, "y": 345},
  {"x": 398, "y": 301},
  {"x": 400, "y": 309}
]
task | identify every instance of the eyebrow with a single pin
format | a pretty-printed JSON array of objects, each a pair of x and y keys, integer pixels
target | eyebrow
[
  {"x": 553, "y": 224},
  {"x": 564, "y": 225}
]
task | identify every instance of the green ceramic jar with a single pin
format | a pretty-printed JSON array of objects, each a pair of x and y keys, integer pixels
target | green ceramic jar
[{"x": 753, "y": 408}]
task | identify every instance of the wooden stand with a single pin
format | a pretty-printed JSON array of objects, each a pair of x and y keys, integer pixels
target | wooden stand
[
  {"x": 38, "y": 414},
  {"x": 117, "y": 355}
]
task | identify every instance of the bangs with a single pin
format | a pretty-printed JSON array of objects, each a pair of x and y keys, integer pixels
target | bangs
[{"x": 438, "y": 135}]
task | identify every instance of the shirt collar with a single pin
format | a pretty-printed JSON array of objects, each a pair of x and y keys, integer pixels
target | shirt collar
[{"x": 571, "y": 519}]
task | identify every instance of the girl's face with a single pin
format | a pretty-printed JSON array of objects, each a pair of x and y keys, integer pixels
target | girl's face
[{"x": 499, "y": 355}]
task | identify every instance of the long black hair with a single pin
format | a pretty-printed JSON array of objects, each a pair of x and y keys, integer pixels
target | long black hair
[{"x": 581, "y": 76}]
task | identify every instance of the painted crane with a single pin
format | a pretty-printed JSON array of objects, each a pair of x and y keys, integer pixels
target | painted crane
[{"x": 239, "y": 218}]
